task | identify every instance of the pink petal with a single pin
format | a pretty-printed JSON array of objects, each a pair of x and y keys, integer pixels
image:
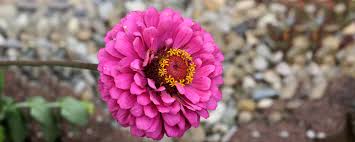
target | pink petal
[
  {"x": 136, "y": 132},
  {"x": 204, "y": 71},
  {"x": 192, "y": 117},
  {"x": 172, "y": 119},
  {"x": 150, "y": 111},
  {"x": 205, "y": 96},
  {"x": 203, "y": 113},
  {"x": 201, "y": 83},
  {"x": 167, "y": 98},
  {"x": 171, "y": 131},
  {"x": 211, "y": 104},
  {"x": 158, "y": 134},
  {"x": 143, "y": 122},
  {"x": 115, "y": 92},
  {"x": 180, "y": 88},
  {"x": 126, "y": 100},
  {"x": 137, "y": 110},
  {"x": 135, "y": 89},
  {"x": 143, "y": 99},
  {"x": 124, "y": 80},
  {"x": 209, "y": 47},
  {"x": 123, "y": 45},
  {"x": 110, "y": 48},
  {"x": 154, "y": 98},
  {"x": 139, "y": 48},
  {"x": 125, "y": 62},
  {"x": 183, "y": 36},
  {"x": 136, "y": 65},
  {"x": 151, "y": 84},
  {"x": 140, "y": 80},
  {"x": 191, "y": 94},
  {"x": 156, "y": 125},
  {"x": 194, "y": 45},
  {"x": 149, "y": 35},
  {"x": 163, "y": 109},
  {"x": 175, "y": 107},
  {"x": 151, "y": 17},
  {"x": 122, "y": 116}
]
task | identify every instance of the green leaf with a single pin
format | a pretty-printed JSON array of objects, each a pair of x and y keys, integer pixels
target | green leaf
[
  {"x": 41, "y": 112},
  {"x": 15, "y": 124},
  {"x": 5, "y": 102},
  {"x": 74, "y": 111},
  {"x": 89, "y": 106},
  {"x": 2, "y": 134}
]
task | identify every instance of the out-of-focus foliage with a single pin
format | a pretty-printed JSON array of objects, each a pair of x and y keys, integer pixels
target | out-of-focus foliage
[
  {"x": 74, "y": 111},
  {"x": 13, "y": 124}
]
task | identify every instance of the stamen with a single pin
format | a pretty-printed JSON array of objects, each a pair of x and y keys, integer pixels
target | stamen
[{"x": 176, "y": 66}]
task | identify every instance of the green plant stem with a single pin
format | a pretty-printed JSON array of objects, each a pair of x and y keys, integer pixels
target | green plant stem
[{"x": 37, "y": 63}]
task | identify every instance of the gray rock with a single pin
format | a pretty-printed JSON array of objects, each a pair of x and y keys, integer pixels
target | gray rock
[
  {"x": 262, "y": 93},
  {"x": 260, "y": 63},
  {"x": 245, "y": 117},
  {"x": 284, "y": 69},
  {"x": 7, "y": 11}
]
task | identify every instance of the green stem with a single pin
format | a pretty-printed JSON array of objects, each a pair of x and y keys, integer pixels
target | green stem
[{"x": 34, "y": 63}]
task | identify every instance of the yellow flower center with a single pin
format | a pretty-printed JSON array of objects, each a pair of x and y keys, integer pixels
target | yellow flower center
[{"x": 176, "y": 66}]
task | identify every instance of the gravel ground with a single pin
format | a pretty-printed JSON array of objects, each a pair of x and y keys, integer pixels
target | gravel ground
[{"x": 280, "y": 57}]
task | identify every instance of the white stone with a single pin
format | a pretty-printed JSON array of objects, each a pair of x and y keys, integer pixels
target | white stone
[
  {"x": 244, "y": 5},
  {"x": 7, "y": 10},
  {"x": 245, "y": 117},
  {"x": 350, "y": 29},
  {"x": 311, "y": 134},
  {"x": 340, "y": 8},
  {"x": 283, "y": 69},
  {"x": 321, "y": 135},
  {"x": 216, "y": 115},
  {"x": 248, "y": 82},
  {"x": 265, "y": 103},
  {"x": 277, "y": 7},
  {"x": 260, "y": 63},
  {"x": 135, "y": 5},
  {"x": 263, "y": 50},
  {"x": 284, "y": 134},
  {"x": 255, "y": 134}
]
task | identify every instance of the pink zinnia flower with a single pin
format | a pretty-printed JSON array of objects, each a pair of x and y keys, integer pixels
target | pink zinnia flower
[{"x": 159, "y": 72}]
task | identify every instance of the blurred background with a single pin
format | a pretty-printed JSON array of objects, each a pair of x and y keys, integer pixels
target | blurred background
[{"x": 289, "y": 65}]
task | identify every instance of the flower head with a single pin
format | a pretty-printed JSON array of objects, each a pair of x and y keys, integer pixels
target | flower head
[{"x": 159, "y": 73}]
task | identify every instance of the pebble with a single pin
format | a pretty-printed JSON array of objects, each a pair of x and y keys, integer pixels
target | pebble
[
  {"x": 194, "y": 134},
  {"x": 265, "y": 103},
  {"x": 293, "y": 104},
  {"x": 321, "y": 135},
  {"x": 7, "y": 11},
  {"x": 274, "y": 79},
  {"x": 245, "y": 117},
  {"x": 261, "y": 93},
  {"x": 134, "y": 5},
  {"x": 247, "y": 105},
  {"x": 227, "y": 137},
  {"x": 213, "y": 138},
  {"x": 263, "y": 50},
  {"x": 311, "y": 134},
  {"x": 275, "y": 117},
  {"x": 248, "y": 83},
  {"x": 349, "y": 30},
  {"x": 255, "y": 134},
  {"x": 216, "y": 115},
  {"x": 284, "y": 69},
  {"x": 284, "y": 134},
  {"x": 260, "y": 63},
  {"x": 84, "y": 34},
  {"x": 319, "y": 89}
]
